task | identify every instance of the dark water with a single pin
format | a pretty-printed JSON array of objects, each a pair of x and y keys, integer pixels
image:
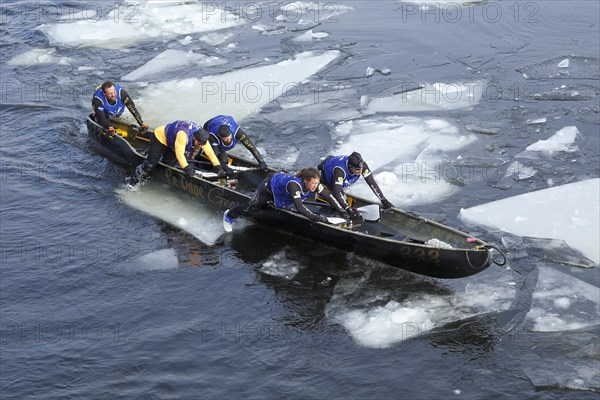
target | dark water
[{"x": 82, "y": 317}]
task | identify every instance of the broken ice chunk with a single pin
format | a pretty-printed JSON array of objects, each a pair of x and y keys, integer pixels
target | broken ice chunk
[{"x": 535, "y": 121}]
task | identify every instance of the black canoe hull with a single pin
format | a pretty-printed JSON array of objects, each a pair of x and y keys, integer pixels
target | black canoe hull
[{"x": 397, "y": 239}]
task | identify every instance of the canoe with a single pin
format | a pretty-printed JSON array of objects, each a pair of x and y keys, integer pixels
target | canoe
[{"x": 398, "y": 238}]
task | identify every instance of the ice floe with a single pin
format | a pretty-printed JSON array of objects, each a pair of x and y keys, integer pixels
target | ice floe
[
  {"x": 150, "y": 21},
  {"x": 239, "y": 93},
  {"x": 160, "y": 260},
  {"x": 408, "y": 156},
  {"x": 570, "y": 212},
  {"x": 279, "y": 265},
  {"x": 170, "y": 60},
  {"x": 187, "y": 214},
  {"x": 39, "y": 56},
  {"x": 571, "y": 67},
  {"x": 562, "y": 302},
  {"x": 378, "y": 318},
  {"x": 563, "y": 140},
  {"x": 520, "y": 172},
  {"x": 436, "y": 96},
  {"x": 309, "y": 35}
]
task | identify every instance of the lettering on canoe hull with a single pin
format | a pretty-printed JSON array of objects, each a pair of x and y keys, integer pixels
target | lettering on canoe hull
[
  {"x": 427, "y": 256},
  {"x": 180, "y": 182},
  {"x": 215, "y": 195}
]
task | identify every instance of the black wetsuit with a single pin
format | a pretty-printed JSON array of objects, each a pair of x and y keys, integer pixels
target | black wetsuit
[
  {"x": 103, "y": 119},
  {"x": 220, "y": 148},
  {"x": 264, "y": 195},
  {"x": 338, "y": 177}
]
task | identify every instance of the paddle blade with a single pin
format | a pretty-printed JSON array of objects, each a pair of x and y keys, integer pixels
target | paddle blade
[
  {"x": 370, "y": 213},
  {"x": 336, "y": 220}
]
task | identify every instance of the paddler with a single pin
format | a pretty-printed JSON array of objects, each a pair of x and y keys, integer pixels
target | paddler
[
  {"x": 285, "y": 191},
  {"x": 178, "y": 141},
  {"x": 110, "y": 100},
  {"x": 340, "y": 172},
  {"x": 225, "y": 133}
]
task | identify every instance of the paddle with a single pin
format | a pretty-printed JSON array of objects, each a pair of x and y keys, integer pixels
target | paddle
[
  {"x": 138, "y": 132},
  {"x": 207, "y": 163},
  {"x": 241, "y": 169},
  {"x": 336, "y": 220},
  {"x": 369, "y": 212},
  {"x": 205, "y": 174},
  {"x": 232, "y": 167}
]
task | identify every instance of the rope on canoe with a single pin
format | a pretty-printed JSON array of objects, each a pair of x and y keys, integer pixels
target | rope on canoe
[
  {"x": 488, "y": 246},
  {"x": 503, "y": 262}
]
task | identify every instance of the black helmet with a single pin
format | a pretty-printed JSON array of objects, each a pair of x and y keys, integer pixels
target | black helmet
[
  {"x": 355, "y": 161},
  {"x": 224, "y": 131},
  {"x": 200, "y": 134}
]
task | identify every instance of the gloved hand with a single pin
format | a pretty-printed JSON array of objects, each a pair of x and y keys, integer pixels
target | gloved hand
[
  {"x": 111, "y": 131},
  {"x": 221, "y": 171},
  {"x": 189, "y": 171},
  {"x": 228, "y": 170},
  {"x": 386, "y": 204},
  {"x": 263, "y": 166},
  {"x": 320, "y": 218},
  {"x": 352, "y": 213}
]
